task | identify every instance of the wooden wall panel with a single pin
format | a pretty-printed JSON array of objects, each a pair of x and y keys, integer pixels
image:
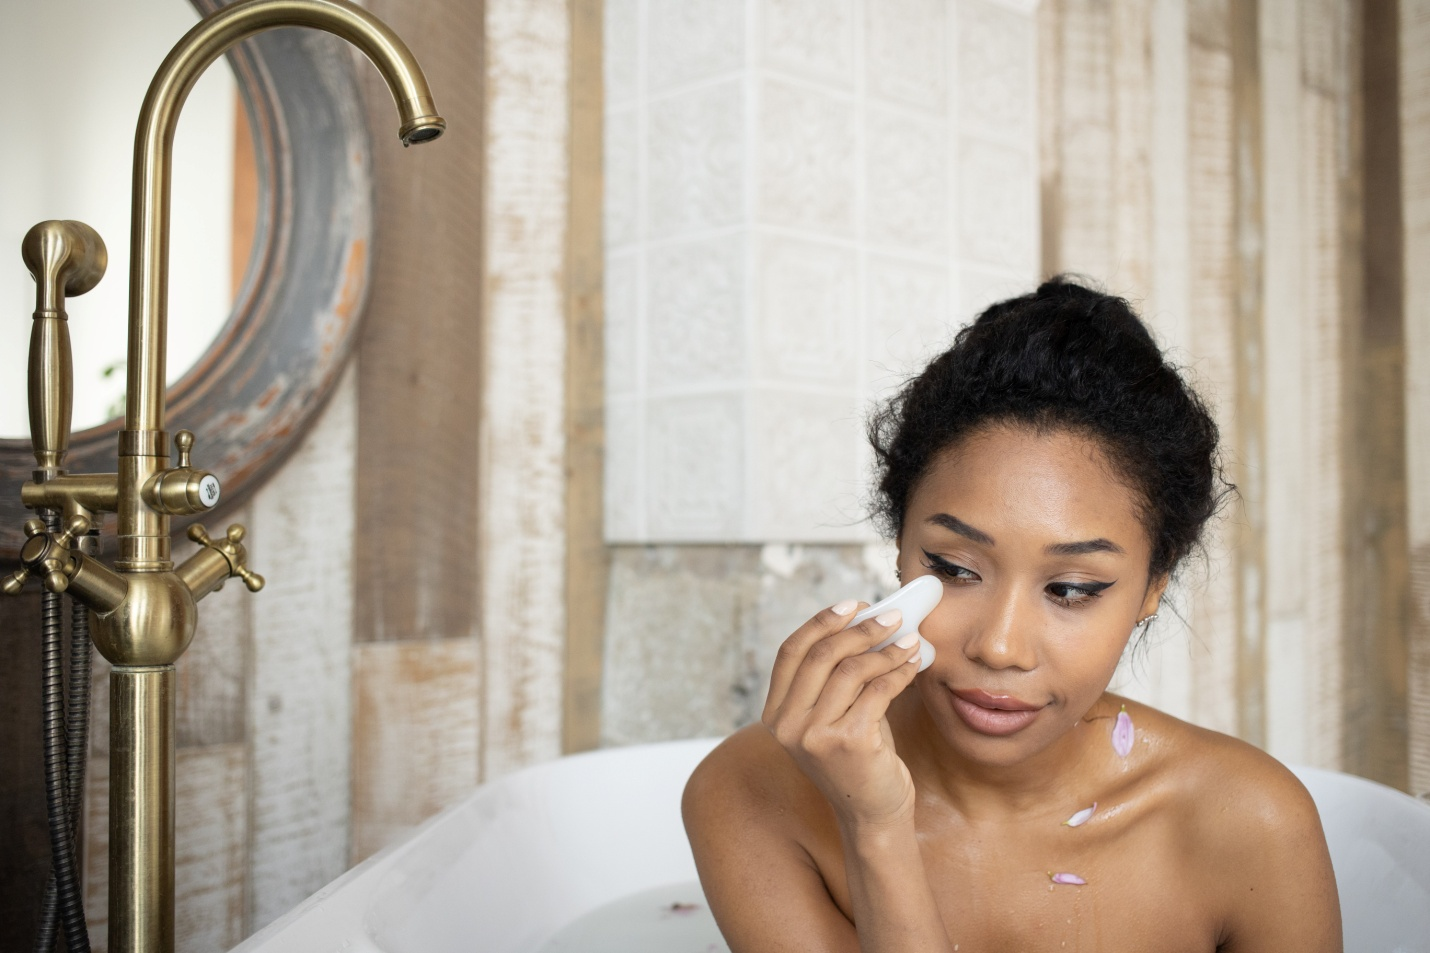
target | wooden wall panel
[
  {"x": 210, "y": 700},
  {"x": 587, "y": 557},
  {"x": 522, "y": 525},
  {"x": 211, "y": 842},
  {"x": 299, "y": 683},
  {"x": 1415, "y": 184},
  {"x": 1211, "y": 225},
  {"x": 24, "y": 830},
  {"x": 1287, "y": 492},
  {"x": 1378, "y": 556},
  {"x": 1321, "y": 145},
  {"x": 420, "y": 352},
  {"x": 415, "y": 727}
]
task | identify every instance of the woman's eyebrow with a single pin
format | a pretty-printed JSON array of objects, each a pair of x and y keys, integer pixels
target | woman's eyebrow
[
  {"x": 1098, "y": 545},
  {"x": 961, "y": 528}
]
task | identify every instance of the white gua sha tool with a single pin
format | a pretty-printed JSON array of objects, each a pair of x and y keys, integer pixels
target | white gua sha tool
[{"x": 915, "y": 601}]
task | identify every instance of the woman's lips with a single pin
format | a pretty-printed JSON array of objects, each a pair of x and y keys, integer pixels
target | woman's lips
[{"x": 990, "y": 714}]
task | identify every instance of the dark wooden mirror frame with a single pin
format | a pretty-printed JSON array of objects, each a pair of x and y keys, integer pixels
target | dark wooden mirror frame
[{"x": 262, "y": 381}]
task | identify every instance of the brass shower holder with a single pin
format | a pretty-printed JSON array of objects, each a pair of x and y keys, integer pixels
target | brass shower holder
[{"x": 145, "y": 608}]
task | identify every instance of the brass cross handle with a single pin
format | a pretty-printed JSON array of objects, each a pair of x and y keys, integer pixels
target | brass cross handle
[
  {"x": 47, "y": 555},
  {"x": 232, "y": 550}
]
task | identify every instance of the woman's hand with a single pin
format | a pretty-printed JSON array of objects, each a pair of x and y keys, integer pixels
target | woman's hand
[{"x": 827, "y": 704}]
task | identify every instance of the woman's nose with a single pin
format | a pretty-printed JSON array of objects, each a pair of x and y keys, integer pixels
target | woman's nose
[{"x": 1005, "y": 638}]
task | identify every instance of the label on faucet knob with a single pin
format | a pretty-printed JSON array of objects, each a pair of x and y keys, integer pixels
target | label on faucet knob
[{"x": 209, "y": 490}]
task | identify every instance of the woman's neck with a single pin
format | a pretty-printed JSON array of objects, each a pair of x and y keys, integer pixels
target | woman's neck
[{"x": 993, "y": 792}]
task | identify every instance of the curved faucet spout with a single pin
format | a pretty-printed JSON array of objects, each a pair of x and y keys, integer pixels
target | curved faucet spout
[{"x": 153, "y": 148}]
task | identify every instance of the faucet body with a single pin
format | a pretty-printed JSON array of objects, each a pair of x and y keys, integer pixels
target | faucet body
[{"x": 145, "y": 609}]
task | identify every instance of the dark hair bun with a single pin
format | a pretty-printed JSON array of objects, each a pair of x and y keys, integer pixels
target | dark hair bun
[{"x": 1065, "y": 356}]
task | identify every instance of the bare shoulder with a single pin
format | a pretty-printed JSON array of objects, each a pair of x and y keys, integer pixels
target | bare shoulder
[
  {"x": 1232, "y": 792},
  {"x": 749, "y": 779},
  {"x": 752, "y": 818},
  {"x": 1251, "y": 828}
]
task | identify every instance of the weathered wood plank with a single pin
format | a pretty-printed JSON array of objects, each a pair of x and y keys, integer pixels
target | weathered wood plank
[
  {"x": 299, "y": 717},
  {"x": 24, "y": 831},
  {"x": 587, "y": 558},
  {"x": 420, "y": 350},
  {"x": 415, "y": 729},
  {"x": 1415, "y": 179},
  {"x": 1323, "y": 406},
  {"x": 209, "y": 700},
  {"x": 1378, "y": 556},
  {"x": 1212, "y": 286},
  {"x": 522, "y": 535},
  {"x": 1249, "y": 437},
  {"x": 211, "y": 835},
  {"x": 1286, "y": 486}
]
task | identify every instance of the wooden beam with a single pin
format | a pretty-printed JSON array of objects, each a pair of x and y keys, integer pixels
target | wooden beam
[
  {"x": 587, "y": 558},
  {"x": 1377, "y": 557},
  {"x": 1249, "y": 417}
]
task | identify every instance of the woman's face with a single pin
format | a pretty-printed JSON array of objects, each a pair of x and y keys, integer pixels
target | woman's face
[{"x": 1044, "y": 564}]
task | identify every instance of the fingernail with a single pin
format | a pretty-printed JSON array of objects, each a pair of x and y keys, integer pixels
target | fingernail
[
  {"x": 908, "y": 641},
  {"x": 891, "y": 617},
  {"x": 845, "y": 607}
]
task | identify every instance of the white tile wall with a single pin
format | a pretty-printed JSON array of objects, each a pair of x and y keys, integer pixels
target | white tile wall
[{"x": 805, "y": 200}]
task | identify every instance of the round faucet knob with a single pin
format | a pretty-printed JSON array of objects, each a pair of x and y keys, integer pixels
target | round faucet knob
[
  {"x": 78, "y": 525},
  {"x": 184, "y": 441},
  {"x": 15, "y": 582},
  {"x": 34, "y": 527},
  {"x": 56, "y": 581},
  {"x": 251, "y": 579}
]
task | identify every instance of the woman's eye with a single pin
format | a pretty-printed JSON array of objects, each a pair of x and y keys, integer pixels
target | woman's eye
[
  {"x": 950, "y": 571},
  {"x": 1075, "y": 594}
]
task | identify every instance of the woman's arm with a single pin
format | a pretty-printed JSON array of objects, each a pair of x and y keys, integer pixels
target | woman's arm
[
  {"x": 826, "y": 709},
  {"x": 1275, "y": 869}
]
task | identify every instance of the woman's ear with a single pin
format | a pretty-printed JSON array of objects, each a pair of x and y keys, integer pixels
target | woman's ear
[{"x": 1155, "y": 588}]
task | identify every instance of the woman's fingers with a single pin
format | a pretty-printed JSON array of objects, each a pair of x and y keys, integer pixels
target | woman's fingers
[
  {"x": 873, "y": 701},
  {"x": 823, "y": 658},
  {"x": 852, "y": 677},
  {"x": 794, "y": 648}
]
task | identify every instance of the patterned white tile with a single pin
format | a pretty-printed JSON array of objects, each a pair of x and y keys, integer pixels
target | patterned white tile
[
  {"x": 625, "y": 512},
  {"x": 807, "y": 144},
  {"x": 808, "y": 311},
  {"x": 695, "y": 313},
  {"x": 622, "y": 177},
  {"x": 907, "y": 59},
  {"x": 694, "y": 468},
  {"x": 906, "y": 174},
  {"x": 995, "y": 70},
  {"x": 978, "y": 288},
  {"x": 622, "y": 328},
  {"x": 804, "y": 466},
  {"x": 908, "y": 320},
  {"x": 996, "y": 216},
  {"x": 696, "y": 168},
  {"x": 814, "y": 38},
  {"x": 621, "y": 51},
  {"x": 693, "y": 39}
]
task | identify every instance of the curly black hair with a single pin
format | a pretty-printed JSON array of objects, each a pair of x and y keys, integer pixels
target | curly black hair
[{"x": 1064, "y": 357}]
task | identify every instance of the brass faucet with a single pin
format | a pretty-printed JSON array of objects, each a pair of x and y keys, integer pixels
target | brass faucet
[{"x": 145, "y": 609}]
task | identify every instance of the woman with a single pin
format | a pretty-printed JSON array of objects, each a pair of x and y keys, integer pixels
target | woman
[{"x": 1052, "y": 470}]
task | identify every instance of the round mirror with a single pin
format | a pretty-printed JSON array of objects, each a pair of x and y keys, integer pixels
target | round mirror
[
  {"x": 70, "y": 171},
  {"x": 269, "y": 243}
]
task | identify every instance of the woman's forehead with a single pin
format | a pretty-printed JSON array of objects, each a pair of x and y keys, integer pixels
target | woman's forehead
[{"x": 1054, "y": 484}]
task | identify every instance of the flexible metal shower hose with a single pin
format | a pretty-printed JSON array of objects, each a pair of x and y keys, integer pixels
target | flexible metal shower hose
[{"x": 66, "y": 735}]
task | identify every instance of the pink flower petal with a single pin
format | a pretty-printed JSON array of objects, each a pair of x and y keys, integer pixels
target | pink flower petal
[
  {"x": 1081, "y": 817},
  {"x": 1072, "y": 879},
  {"x": 1122, "y": 733}
]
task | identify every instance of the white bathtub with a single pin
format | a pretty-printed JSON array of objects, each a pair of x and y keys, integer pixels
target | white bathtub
[{"x": 515, "y": 865}]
